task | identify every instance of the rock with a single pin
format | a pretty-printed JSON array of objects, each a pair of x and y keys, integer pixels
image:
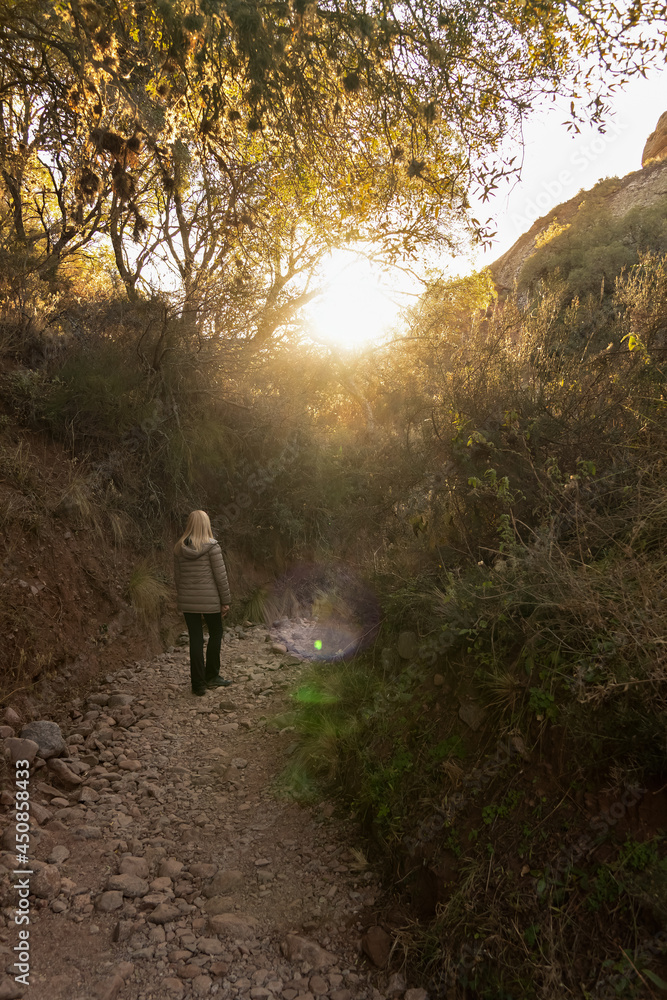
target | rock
[
  {"x": 62, "y": 772},
  {"x": 170, "y": 868},
  {"x": 416, "y": 993},
  {"x": 472, "y": 714},
  {"x": 656, "y": 144},
  {"x": 201, "y": 986},
  {"x": 45, "y": 883},
  {"x": 174, "y": 987},
  {"x": 407, "y": 645},
  {"x": 164, "y": 913},
  {"x": 233, "y": 925},
  {"x": 202, "y": 870},
  {"x": 88, "y": 795},
  {"x": 438, "y": 680},
  {"x": 318, "y": 986},
  {"x": 59, "y": 854},
  {"x": 10, "y": 990},
  {"x": 376, "y": 943},
  {"x": 109, "y": 901},
  {"x": 229, "y": 727},
  {"x": 12, "y": 718},
  {"x": 219, "y": 904},
  {"x": 17, "y": 749},
  {"x": 224, "y": 881},
  {"x": 125, "y": 969},
  {"x": 278, "y": 648},
  {"x": 300, "y": 949},
  {"x": 120, "y": 700},
  {"x": 209, "y": 946},
  {"x": 6, "y": 732},
  {"x": 134, "y": 866},
  {"x": 341, "y": 994},
  {"x": 47, "y": 736},
  {"x": 110, "y": 988},
  {"x": 40, "y": 813},
  {"x": 130, "y": 885},
  {"x": 395, "y": 985}
]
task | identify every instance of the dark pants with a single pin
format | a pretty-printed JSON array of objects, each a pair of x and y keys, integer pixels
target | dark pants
[{"x": 200, "y": 675}]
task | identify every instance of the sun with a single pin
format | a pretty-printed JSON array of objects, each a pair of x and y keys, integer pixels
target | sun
[{"x": 355, "y": 308}]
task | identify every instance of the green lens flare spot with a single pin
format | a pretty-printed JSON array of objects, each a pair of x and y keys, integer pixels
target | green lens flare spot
[{"x": 317, "y": 644}]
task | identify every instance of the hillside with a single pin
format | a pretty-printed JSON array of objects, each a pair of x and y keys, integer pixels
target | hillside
[{"x": 612, "y": 200}]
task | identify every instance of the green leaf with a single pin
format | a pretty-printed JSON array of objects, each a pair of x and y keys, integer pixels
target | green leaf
[{"x": 660, "y": 983}]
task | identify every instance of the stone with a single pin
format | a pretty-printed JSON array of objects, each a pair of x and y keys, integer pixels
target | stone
[
  {"x": 472, "y": 714},
  {"x": 88, "y": 795},
  {"x": 656, "y": 144},
  {"x": 6, "y": 732},
  {"x": 233, "y": 925},
  {"x": 417, "y": 993},
  {"x": 395, "y": 985},
  {"x": 109, "y": 901},
  {"x": 341, "y": 994},
  {"x": 278, "y": 648},
  {"x": 170, "y": 868},
  {"x": 224, "y": 881},
  {"x": 407, "y": 645},
  {"x": 203, "y": 870},
  {"x": 201, "y": 986},
  {"x": 376, "y": 944},
  {"x": 18, "y": 749},
  {"x": 219, "y": 904},
  {"x": 129, "y": 885},
  {"x": 164, "y": 913},
  {"x": 47, "y": 736},
  {"x": 134, "y": 866},
  {"x": 174, "y": 987},
  {"x": 12, "y": 718},
  {"x": 318, "y": 986},
  {"x": 62, "y": 772},
  {"x": 59, "y": 854},
  {"x": 120, "y": 700},
  {"x": 299, "y": 949},
  {"x": 110, "y": 988},
  {"x": 10, "y": 990},
  {"x": 40, "y": 813},
  {"x": 45, "y": 883},
  {"x": 209, "y": 946},
  {"x": 125, "y": 969},
  {"x": 438, "y": 680}
]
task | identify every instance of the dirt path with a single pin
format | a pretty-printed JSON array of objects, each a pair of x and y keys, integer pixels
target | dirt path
[{"x": 171, "y": 869}]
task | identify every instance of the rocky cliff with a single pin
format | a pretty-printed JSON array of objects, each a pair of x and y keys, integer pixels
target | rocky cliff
[{"x": 613, "y": 196}]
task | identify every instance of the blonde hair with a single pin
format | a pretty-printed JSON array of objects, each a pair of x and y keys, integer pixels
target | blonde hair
[{"x": 198, "y": 530}]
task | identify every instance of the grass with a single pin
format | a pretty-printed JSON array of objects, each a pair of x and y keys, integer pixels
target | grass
[{"x": 147, "y": 591}]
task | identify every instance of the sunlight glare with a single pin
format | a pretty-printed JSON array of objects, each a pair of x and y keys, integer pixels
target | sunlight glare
[{"x": 354, "y": 309}]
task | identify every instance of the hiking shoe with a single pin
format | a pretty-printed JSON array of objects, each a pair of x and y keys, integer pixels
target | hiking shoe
[
  {"x": 218, "y": 682},
  {"x": 200, "y": 694}
]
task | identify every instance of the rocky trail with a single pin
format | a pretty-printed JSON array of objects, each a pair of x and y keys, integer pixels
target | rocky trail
[{"x": 164, "y": 865}]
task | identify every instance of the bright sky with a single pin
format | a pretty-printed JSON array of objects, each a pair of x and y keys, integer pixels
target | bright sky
[
  {"x": 361, "y": 303},
  {"x": 558, "y": 164}
]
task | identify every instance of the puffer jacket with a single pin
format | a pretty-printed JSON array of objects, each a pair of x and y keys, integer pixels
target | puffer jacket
[{"x": 201, "y": 578}]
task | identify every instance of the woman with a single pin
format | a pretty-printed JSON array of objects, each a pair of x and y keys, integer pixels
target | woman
[{"x": 202, "y": 587}]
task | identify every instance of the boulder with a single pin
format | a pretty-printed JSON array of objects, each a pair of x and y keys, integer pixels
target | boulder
[
  {"x": 134, "y": 866},
  {"x": 164, "y": 913},
  {"x": 47, "y": 736}
]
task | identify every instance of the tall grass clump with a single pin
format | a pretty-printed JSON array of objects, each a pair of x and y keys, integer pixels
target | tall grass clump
[{"x": 147, "y": 591}]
